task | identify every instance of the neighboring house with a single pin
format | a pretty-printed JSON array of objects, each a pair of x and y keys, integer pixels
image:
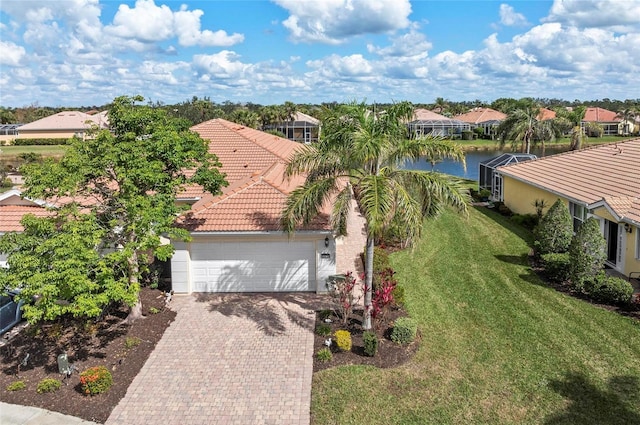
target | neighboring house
[
  {"x": 546, "y": 114},
  {"x": 489, "y": 179},
  {"x": 427, "y": 122},
  {"x": 601, "y": 182},
  {"x": 62, "y": 125},
  {"x": 486, "y": 118},
  {"x": 12, "y": 208},
  {"x": 610, "y": 122},
  {"x": 237, "y": 242},
  {"x": 302, "y": 128}
]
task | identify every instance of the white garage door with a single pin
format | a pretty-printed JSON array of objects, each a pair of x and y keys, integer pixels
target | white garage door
[{"x": 253, "y": 266}]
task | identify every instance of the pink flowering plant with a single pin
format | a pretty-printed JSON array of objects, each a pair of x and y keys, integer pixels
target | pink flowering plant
[{"x": 343, "y": 293}]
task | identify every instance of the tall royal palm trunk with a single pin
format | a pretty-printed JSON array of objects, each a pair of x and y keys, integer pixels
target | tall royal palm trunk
[{"x": 368, "y": 292}]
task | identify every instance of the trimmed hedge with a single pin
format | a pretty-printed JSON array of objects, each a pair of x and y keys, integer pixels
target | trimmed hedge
[
  {"x": 609, "y": 289},
  {"x": 40, "y": 142}
]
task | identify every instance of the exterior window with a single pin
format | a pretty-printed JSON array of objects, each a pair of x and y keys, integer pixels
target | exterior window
[{"x": 579, "y": 215}]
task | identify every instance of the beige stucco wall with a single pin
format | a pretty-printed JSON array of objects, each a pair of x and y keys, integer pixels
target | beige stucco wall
[
  {"x": 519, "y": 196},
  {"x": 49, "y": 134}
]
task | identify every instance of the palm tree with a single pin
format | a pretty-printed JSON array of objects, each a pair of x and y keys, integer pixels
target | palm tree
[
  {"x": 520, "y": 126},
  {"x": 628, "y": 116},
  {"x": 360, "y": 157},
  {"x": 245, "y": 117}
]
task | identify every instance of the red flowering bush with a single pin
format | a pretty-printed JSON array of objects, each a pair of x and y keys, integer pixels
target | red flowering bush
[
  {"x": 96, "y": 380},
  {"x": 383, "y": 295}
]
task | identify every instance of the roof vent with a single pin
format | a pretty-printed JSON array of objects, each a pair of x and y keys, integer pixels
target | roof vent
[{"x": 245, "y": 165}]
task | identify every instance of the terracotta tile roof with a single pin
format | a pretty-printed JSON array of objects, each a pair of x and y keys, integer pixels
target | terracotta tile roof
[
  {"x": 606, "y": 175},
  {"x": 480, "y": 115},
  {"x": 10, "y": 216},
  {"x": 426, "y": 115},
  {"x": 254, "y": 163},
  {"x": 546, "y": 114},
  {"x": 594, "y": 114},
  {"x": 67, "y": 120}
]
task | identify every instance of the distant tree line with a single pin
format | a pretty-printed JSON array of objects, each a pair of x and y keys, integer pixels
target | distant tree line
[{"x": 200, "y": 109}]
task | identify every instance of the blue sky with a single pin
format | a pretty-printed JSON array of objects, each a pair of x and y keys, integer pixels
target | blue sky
[{"x": 86, "y": 52}]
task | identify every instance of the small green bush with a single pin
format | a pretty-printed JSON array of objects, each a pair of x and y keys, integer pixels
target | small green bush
[
  {"x": 556, "y": 266},
  {"x": 404, "y": 330},
  {"x": 323, "y": 329},
  {"x": 48, "y": 385},
  {"x": 370, "y": 341},
  {"x": 6, "y": 182},
  {"x": 343, "y": 340},
  {"x": 96, "y": 380},
  {"x": 16, "y": 386},
  {"x": 324, "y": 355},
  {"x": 41, "y": 142},
  {"x": 153, "y": 310},
  {"x": 131, "y": 342},
  {"x": 609, "y": 289}
]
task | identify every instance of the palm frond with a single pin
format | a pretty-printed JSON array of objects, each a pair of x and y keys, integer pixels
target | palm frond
[
  {"x": 341, "y": 209},
  {"x": 305, "y": 202},
  {"x": 375, "y": 197}
]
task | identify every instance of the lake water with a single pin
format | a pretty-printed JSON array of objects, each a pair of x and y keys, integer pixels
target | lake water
[{"x": 473, "y": 159}]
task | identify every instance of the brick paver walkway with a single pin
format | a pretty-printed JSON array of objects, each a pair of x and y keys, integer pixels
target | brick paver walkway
[{"x": 227, "y": 359}]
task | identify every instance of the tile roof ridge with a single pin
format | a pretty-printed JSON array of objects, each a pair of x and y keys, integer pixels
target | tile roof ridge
[{"x": 585, "y": 149}]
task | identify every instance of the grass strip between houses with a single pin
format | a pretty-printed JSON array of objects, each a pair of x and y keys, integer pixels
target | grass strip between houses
[{"x": 498, "y": 345}]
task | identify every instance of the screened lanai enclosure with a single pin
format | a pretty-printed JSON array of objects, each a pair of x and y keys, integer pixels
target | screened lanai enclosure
[
  {"x": 438, "y": 127},
  {"x": 490, "y": 180}
]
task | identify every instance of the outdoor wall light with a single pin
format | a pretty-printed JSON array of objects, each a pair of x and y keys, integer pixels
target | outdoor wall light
[
  {"x": 628, "y": 228},
  {"x": 326, "y": 242}
]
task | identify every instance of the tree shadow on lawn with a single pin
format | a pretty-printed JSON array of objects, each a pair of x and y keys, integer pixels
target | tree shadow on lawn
[
  {"x": 270, "y": 312},
  {"x": 589, "y": 405}
]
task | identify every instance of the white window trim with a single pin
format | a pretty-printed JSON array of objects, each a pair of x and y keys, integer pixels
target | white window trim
[{"x": 637, "y": 230}]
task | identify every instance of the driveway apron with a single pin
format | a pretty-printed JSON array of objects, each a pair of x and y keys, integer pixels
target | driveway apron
[{"x": 227, "y": 359}]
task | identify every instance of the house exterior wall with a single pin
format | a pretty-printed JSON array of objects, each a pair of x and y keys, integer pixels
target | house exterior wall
[
  {"x": 50, "y": 134},
  {"x": 519, "y": 197}
]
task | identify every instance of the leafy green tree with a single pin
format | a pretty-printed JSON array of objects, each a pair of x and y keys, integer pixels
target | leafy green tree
[
  {"x": 245, "y": 117},
  {"x": 555, "y": 230},
  {"x": 56, "y": 261},
  {"x": 128, "y": 179},
  {"x": 587, "y": 253},
  {"x": 360, "y": 157}
]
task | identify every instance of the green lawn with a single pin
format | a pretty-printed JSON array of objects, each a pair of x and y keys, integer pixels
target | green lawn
[
  {"x": 565, "y": 141},
  {"x": 7, "y": 152},
  {"x": 498, "y": 346}
]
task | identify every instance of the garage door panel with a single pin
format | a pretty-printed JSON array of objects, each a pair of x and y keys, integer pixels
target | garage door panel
[{"x": 253, "y": 267}]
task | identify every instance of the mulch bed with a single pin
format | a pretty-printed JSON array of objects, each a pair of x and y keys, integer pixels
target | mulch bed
[
  {"x": 123, "y": 349},
  {"x": 389, "y": 353}
]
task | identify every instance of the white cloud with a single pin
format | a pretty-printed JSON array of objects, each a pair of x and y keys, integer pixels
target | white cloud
[
  {"x": 410, "y": 44},
  {"x": 342, "y": 67},
  {"x": 222, "y": 65},
  {"x": 509, "y": 17},
  {"x": 617, "y": 14},
  {"x": 332, "y": 21},
  {"x": 187, "y": 26},
  {"x": 12, "y": 54},
  {"x": 147, "y": 23}
]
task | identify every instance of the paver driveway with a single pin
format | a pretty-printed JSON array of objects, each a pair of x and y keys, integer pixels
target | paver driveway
[{"x": 227, "y": 359}]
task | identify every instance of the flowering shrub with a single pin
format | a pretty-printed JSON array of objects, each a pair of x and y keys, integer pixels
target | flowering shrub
[
  {"x": 383, "y": 296},
  {"x": 48, "y": 385},
  {"x": 343, "y": 340},
  {"x": 342, "y": 292},
  {"x": 96, "y": 380}
]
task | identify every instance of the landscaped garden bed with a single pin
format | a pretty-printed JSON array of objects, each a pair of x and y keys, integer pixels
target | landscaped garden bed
[{"x": 121, "y": 349}]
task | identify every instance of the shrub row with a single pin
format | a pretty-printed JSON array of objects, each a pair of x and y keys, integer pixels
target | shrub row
[{"x": 40, "y": 142}]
